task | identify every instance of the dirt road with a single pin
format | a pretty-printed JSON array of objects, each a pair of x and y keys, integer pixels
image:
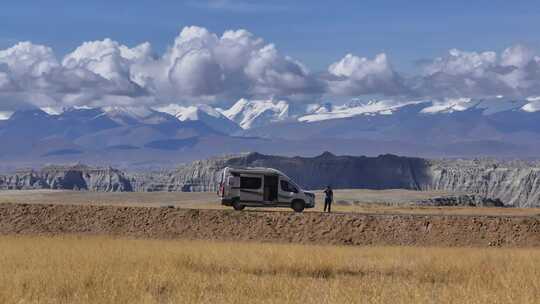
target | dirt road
[{"x": 396, "y": 201}]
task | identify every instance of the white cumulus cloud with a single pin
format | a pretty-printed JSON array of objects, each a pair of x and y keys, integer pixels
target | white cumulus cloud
[
  {"x": 515, "y": 72},
  {"x": 204, "y": 67},
  {"x": 27, "y": 59},
  {"x": 199, "y": 66},
  {"x": 353, "y": 76},
  {"x": 236, "y": 64}
]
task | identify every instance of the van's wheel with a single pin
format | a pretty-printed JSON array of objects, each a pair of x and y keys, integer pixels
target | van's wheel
[
  {"x": 298, "y": 205},
  {"x": 237, "y": 206}
]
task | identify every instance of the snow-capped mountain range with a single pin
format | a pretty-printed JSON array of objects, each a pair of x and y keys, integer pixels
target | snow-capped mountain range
[
  {"x": 386, "y": 107},
  {"x": 248, "y": 114},
  {"x": 439, "y": 122},
  {"x": 452, "y": 127}
]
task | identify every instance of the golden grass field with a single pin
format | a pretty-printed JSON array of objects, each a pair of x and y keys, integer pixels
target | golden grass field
[{"x": 72, "y": 269}]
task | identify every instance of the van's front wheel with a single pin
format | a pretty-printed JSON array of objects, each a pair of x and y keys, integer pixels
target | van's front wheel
[
  {"x": 237, "y": 206},
  {"x": 298, "y": 205}
]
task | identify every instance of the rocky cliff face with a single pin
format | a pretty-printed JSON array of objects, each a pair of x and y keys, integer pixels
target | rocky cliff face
[
  {"x": 382, "y": 172},
  {"x": 77, "y": 177},
  {"x": 198, "y": 176},
  {"x": 516, "y": 184}
]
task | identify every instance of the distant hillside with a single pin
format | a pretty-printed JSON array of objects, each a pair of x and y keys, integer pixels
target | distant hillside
[{"x": 142, "y": 137}]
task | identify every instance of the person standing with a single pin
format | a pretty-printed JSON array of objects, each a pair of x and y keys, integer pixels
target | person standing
[{"x": 329, "y": 197}]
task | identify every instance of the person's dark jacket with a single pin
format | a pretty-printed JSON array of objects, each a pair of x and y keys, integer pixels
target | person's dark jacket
[{"x": 329, "y": 195}]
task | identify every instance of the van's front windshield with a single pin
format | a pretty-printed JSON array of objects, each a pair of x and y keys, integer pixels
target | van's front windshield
[{"x": 295, "y": 186}]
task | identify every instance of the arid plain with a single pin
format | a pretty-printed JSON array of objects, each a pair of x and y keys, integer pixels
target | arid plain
[{"x": 391, "y": 201}]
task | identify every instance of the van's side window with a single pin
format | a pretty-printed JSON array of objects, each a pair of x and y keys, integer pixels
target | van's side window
[
  {"x": 287, "y": 187},
  {"x": 250, "y": 182}
]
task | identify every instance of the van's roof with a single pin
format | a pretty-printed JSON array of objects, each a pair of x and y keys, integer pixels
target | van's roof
[{"x": 255, "y": 170}]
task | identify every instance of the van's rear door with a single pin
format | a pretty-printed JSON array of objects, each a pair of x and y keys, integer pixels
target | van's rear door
[{"x": 232, "y": 186}]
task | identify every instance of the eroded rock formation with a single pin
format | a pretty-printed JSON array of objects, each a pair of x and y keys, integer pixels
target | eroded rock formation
[
  {"x": 78, "y": 177},
  {"x": 515, "y": 183}
]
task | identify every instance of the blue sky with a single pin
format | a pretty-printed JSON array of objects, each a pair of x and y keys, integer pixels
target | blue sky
[{"x": 316, "y": 32}]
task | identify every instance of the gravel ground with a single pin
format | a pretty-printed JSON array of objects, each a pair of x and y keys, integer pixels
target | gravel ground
[{"x": 272, "y": 226}]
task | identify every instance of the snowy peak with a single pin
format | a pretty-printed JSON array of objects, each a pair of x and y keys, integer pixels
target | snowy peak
[
  {"x": 488, "y": 106},
  {"x": 254, "y": 113},
  {"x": 533, "y": 105},
  {"x": 355, "y": 108},
  {"x": 28, "y": 115},
  {"x": 194, "y": 113},
  {"x": 127, "y": 116},
  {"x": 449, "y": 106},
  {"x": 203, "y": 113},
  {"x": 5, "y": 115}
]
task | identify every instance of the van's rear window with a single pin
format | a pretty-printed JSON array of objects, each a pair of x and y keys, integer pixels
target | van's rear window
[{"x": 250, "y": 182}]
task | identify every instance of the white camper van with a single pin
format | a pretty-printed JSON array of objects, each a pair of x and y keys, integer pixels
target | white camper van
[{"x": 262, "y": 187}]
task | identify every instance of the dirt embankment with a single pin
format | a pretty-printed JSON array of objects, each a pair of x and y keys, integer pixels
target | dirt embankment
[{"x": 315, "y": 228}]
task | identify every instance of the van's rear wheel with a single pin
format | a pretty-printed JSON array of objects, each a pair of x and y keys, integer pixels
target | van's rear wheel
[
  {"x": 298, "y": 205},
  {"x": 237, "y": 206}
]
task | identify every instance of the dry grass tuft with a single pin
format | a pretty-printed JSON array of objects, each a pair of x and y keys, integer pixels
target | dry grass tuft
[{"x": 74, "y": 269}]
